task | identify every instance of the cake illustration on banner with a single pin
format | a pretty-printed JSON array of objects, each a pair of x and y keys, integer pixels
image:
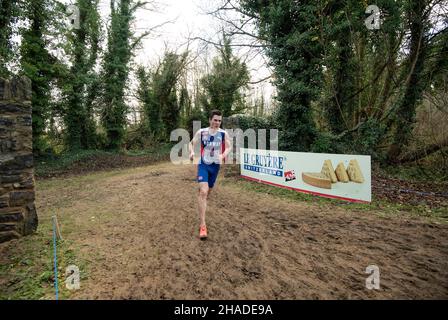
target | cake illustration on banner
[
  {"x": 354, "y": 171},
  {"x": 317, "y": 179},
  {"x": 328, "y": 171},
  {"x": 341, "y": 173},
  {"x": 328, "y": 175}
]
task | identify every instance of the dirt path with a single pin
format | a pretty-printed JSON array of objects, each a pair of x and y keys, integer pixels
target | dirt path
[{"x": 138, "y": 231}]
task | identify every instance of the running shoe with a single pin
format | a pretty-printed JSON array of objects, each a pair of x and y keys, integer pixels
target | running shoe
[{"x": 203, "y": 232}]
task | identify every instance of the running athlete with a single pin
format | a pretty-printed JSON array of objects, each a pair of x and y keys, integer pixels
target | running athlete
[{"x": 215, "y": 146}]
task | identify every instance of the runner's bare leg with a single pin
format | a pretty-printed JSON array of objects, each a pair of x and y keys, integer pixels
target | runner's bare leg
[
  {"x": 209, "y": 191},
  {"x": 202, "y": 200}
]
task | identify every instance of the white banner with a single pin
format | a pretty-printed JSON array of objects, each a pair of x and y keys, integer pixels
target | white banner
[{"x": 340, "y": 176}]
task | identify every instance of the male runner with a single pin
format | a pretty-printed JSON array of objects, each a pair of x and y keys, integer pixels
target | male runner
[{"x": 215, "y": 146}]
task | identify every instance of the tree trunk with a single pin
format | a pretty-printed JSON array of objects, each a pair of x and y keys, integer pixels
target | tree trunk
[
  {"x": 415, "y": 84},
  {"x": 424, "y": 152}
]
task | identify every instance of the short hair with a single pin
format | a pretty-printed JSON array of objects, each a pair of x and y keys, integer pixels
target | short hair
[{"x": 214, "y": 113}]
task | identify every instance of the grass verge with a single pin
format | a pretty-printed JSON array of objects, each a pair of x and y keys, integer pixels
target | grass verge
[
  {"x": 98, "y": 159},
  {"x": 27, "y": 268},
  {"x": 379, "y": 207}
]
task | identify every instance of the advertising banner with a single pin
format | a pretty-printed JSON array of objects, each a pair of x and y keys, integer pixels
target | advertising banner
[{"x": 340, "y": 176}]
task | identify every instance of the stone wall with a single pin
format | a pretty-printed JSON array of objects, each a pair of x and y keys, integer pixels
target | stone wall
[{"x": 18, "y": 215}]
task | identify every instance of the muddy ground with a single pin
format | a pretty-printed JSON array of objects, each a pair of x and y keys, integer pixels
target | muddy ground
[{"x": 137, "y": 230}]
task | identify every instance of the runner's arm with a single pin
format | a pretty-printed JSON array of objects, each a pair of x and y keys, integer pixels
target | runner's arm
[
  {"x": 228, "y": 147},
  {"x": 193, "y": 143}
]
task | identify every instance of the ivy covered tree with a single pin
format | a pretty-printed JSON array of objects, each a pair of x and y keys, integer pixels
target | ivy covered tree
[
  {"x": 339, "y": 18},
  {"x": 82, "y": 80},
  {"x": 9, "y": 12},
  {"x": 415, "y": 83},
  {"x": 364, "y": 85},
  {"x": 115, "y": 70},
  {"x": 38, "y": 65},
  {"x": 223, "y": 86},
  {"x": 359, "y": 68},
  {"x": 291, "y": 32},
  {"x": 185, "y": 102},
  {"x": 165, "y": 89},
  {"x": 157, "y": 93},
  {"x": 145, "y": 96}
]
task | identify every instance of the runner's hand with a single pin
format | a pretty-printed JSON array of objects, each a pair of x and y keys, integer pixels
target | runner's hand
[{"x": 191, "y": 156}]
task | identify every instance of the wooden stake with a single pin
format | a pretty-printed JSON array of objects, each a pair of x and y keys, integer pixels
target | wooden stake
[{"x": 58, "y": 230}]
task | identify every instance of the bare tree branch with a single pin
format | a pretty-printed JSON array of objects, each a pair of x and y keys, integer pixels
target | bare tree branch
[
  {"x": 232, "y": 45},
  {"x": 261, "y": 80},
  {"x": 148, "y": 32}
]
